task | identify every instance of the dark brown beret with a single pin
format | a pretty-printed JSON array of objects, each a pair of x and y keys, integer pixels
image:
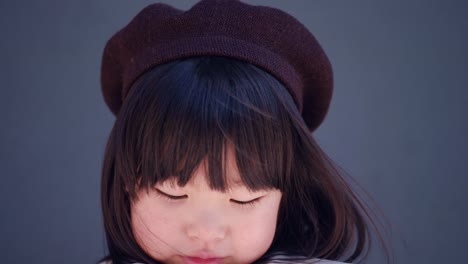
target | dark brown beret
[{"x": 264, "y": 36}]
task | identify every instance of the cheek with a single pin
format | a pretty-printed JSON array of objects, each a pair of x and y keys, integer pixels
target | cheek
[
  {"x": 155, "y": 230},
  {"x": 258, "y": 231},
  {"x": 254, "y": 234}
]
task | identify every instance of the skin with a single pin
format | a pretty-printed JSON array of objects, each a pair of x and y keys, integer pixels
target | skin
[{"x": 194, "y": 224}]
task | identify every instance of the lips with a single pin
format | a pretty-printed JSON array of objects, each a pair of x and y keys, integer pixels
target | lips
[{"x": 198, "y": 260}]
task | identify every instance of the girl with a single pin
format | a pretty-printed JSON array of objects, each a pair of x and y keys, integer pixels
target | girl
[{"x": 211, "y": 157}]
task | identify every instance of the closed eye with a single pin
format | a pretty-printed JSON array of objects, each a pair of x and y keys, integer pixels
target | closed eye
[
  {"x": 250, "y": 202},
  {"x": 171, "y": 197}
]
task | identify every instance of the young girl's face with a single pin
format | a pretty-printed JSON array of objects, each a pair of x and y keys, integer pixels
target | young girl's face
[{"x": 195, "y": 224}]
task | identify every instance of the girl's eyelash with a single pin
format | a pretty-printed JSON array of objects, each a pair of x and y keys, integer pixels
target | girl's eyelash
[
  {"x": 170, "y": 197},
  {"x": 250, "y": 203}
]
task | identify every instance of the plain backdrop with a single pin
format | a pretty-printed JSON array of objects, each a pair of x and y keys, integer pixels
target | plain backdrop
[{"x": 397, "y": 121}]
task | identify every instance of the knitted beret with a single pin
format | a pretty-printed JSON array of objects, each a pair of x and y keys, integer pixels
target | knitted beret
[{"x": 264, "y": 36}]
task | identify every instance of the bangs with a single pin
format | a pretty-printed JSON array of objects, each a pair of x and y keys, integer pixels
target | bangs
[{"x": 186, "y": 112}]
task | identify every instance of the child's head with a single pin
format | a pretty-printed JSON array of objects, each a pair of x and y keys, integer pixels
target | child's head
[
  {"x": 217, "y": 162},
  {"x": 211, "y": 156}
]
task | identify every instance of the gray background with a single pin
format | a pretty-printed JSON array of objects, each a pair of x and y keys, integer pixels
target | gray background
[{"x": 397, "y": 120}]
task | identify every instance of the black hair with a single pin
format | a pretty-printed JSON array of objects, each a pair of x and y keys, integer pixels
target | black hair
[{"x": 181, "y": 112}]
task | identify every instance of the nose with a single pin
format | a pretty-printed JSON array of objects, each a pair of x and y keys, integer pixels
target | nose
[{"x": 207, "y": 228}]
